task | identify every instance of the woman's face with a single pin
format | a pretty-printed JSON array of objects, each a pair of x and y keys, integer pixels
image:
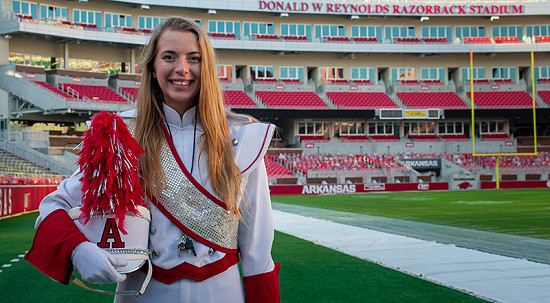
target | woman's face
[{"x": 177, "y": 68}]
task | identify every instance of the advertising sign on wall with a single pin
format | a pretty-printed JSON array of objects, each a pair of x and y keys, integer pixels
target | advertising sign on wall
[{"x": 468, "y": 182}]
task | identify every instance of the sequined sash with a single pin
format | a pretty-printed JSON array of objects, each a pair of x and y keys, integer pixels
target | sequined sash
[{"x": 190, "y": 206}]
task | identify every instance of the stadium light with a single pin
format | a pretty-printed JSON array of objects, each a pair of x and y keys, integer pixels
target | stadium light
[
  {"x": 422, "y": 19},
  {"x": 354, "y": 17},
  {"x": 211, "y": 11},
  {"x": 493, "y": 18},
  {"x": 284, "y": 15},
  {"x": 145, "y": 6}
]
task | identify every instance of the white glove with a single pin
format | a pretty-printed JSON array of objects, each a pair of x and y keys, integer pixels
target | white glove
[{"x": 97, "y": 266}]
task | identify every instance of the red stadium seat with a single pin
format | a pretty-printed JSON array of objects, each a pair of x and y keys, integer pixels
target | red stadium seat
[
  {"x": 361, "y": 100},
  {"x": 95, "y": 93},
  {"x": 445, "y": 100},
  {"x": 296, "y": 100},
  {"x": 237, "y": 99},
  {"x": 53, "y": 89},
  {"x": 502, "y": 99}
]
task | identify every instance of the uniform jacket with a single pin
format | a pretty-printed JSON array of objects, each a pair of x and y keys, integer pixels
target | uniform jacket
[{"x": 211, "y": 276}]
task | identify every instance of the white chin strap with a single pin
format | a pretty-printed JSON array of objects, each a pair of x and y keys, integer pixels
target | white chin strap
[{"x": 123, "y": 293}]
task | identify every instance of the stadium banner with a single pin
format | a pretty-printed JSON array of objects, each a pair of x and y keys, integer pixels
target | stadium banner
[
  {"x": 515, "y": 184},
  {"x": 465, "y": 182},
  {"x": 17, "y": 198},
  {"x": 359, "y": 8},
  {"x": 332, "y": 189},
  {"x": 422, "y": 163}
]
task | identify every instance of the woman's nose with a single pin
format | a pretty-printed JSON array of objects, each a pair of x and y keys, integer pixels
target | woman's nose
[{"x": 183, "y": 67}]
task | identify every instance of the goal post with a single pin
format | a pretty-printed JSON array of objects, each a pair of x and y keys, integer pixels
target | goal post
[{"x": 472, "y": 125}]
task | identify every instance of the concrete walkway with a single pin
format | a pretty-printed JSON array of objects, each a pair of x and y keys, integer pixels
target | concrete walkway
[{"x": 487, "y": 275}]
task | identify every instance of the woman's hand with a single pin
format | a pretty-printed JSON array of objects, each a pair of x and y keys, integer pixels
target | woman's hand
[{"x": 97, "y": 266}]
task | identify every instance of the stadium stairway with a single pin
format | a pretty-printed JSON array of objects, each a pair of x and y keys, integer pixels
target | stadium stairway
[
  {"x": 46, "y": 100},
  {"x": 28, "y": 91},
  {"x": 36, "y": 157}
]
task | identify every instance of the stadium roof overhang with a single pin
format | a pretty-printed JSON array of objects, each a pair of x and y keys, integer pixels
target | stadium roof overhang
[{"x": 264, "y": 113}]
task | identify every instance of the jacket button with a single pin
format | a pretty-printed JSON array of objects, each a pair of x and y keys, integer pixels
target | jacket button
[
  {"x": 153, "y": 229},
  {"x": 235, "y": 141},
  {"x": 156, "y": 253}
]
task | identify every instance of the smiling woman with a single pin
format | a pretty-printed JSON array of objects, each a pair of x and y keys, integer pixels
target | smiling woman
[
  {"x": 202, "y": 223},
  {"x": 177, "y": 69}
]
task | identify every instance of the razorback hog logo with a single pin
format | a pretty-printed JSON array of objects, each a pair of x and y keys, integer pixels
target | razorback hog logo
[
  {"x": 464, "y": 185},
  {"x": 110, "y": 232}
]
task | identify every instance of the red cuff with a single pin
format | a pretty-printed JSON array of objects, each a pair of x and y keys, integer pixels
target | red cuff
[
  {"x": 263, "y": 288},
  {"x": 54, "y": 242}
]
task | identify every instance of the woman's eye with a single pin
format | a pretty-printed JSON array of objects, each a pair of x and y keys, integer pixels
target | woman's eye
[
  {"x": 195, "y": 59},
  {"x": 167, "y": 57}
]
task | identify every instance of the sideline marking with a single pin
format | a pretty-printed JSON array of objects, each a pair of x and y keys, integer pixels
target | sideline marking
[{"x": 480, "y": 202}]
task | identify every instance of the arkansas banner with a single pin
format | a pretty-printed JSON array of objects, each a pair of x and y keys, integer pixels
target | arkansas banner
[{"x": 19, "y": 198}]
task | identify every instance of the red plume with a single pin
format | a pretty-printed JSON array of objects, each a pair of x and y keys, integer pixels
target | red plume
[{"x": 109, "y": 165}]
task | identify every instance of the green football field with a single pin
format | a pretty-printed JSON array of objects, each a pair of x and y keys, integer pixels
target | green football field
[
  {"x": 523, "y": 212},
  {"x": 311, "y": 273}
]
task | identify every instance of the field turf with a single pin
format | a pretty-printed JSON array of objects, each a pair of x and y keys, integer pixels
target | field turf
[
  {"x": 524, "y": 212},
  {"x": 309, "y": 273}
]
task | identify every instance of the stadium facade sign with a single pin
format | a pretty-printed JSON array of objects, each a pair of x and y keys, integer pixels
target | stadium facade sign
[
  {"x": 422, "y": 163},
  {"x": 336, "y": 7},
  {"x": 322, "y": 189}
]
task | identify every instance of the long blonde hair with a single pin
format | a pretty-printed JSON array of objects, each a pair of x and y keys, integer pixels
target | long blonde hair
[{"x": 224, "y": 174}]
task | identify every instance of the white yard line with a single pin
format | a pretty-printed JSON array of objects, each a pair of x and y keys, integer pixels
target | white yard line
[{"x": 496, "y": 277}]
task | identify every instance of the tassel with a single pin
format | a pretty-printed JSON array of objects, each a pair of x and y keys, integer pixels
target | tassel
[{"x": 110, "y": 171}]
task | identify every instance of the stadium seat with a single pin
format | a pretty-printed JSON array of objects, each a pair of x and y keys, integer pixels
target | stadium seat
[
  {"x": 444, "y": 100},
  {"x": 545, "y": 96},
  {"x": 53, "y": 89},
  {"x": 130, "y": 92},
  {"x": 503, "y": 40},
  {"x": 361, "y": 100},
  {"x": 476, "y": 40},
  {"x": 502, "y": 99},
  {"x": 365, "y": 40},
  {"x": 275, "y": 169},
  {"x": 94, "y": 93},
  {"x": 296, "y": 100},
  {"x": 237, "y": 99}
]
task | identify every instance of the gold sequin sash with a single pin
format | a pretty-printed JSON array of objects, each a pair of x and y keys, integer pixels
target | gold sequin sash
[{"x": 190, "y": 206}]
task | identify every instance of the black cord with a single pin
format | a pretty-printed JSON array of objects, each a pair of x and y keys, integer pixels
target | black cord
[{"x": 194, "y": 136}]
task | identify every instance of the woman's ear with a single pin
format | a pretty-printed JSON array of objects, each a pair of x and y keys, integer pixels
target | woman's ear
[{"x": 154, "y": 75}]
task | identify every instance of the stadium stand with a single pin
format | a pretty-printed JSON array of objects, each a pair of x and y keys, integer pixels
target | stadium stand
[
  {"x": 444, "y": 100},
  {"x": 361, "y": 100},
  {"x": 275, "y": 169},
  {"x": 424, "y": 137},
  {"x": 501, "y": 40},
  {"x": 131, "y": 93},
  {"x": 495, "y": 137},
  {"x": 93, "y": 93},
  {"x": 545, "y": 96},
  {"x": 303, "y": 100},
  {"x": 237, "y": 99},
  {"x": 54, "y": 89},
  {"x": 11, "y": 164},
  {"x": 311, "y": 60},
  {"x": 365, "y": 40},
  {"x": 434, "y": 40},
  {"x": 502, "y": 99},
  {"x": 457, "y": 137},
  {"x": 305, "y": 163},
  {"x": 476, "y": 40}
]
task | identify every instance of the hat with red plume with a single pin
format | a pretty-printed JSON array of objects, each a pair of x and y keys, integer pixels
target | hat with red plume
[{"x": 110, "y": 171}]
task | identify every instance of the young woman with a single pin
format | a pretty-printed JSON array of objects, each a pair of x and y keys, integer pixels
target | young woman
[{"x": 206, "y": 181}]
